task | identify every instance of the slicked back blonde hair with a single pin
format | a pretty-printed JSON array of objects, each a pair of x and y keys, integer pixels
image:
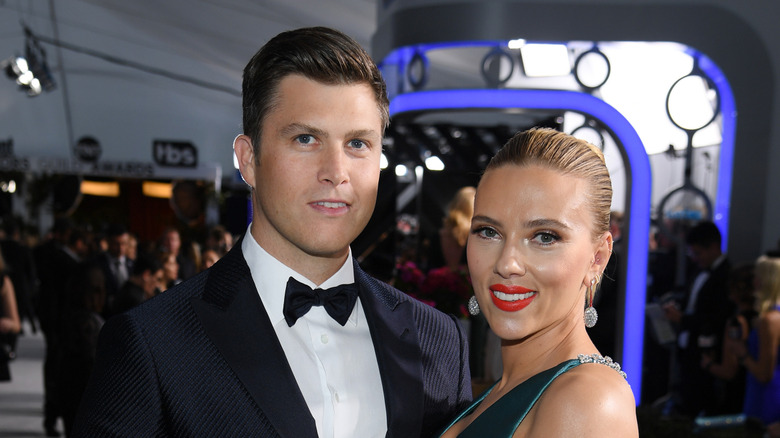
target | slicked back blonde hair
[{"x": 569, "y": 155}]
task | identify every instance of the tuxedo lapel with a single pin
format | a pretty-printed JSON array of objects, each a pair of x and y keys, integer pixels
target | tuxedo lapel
[
  {"x": 233, "y": 317},
  {"x": 397, "y": 345}
]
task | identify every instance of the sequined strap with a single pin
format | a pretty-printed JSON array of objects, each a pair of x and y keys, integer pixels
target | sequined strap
[{"x": 604, "y": 360}]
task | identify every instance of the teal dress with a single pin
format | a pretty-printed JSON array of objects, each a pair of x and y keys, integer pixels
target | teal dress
[{"x": 505, "y": 415}]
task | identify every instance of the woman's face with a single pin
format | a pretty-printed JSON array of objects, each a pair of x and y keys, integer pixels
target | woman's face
[
  {"x": 531, "y": 251},
  {"x": 171, "y": 268}
]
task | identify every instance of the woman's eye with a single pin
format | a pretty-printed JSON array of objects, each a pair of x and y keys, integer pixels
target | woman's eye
[
  {"x": 546, "y": 238},
  {"x": 486, "y": 232}
]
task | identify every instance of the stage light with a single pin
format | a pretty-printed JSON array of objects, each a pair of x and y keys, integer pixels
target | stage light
[
  {"x": 383, "y": 163},
  {"x": 8, "y": 186},
  {"x": 30, "y": 72},
  {"x": 401, "y": 170}
]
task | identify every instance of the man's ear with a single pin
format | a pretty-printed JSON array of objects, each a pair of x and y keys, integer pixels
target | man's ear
[{"x": 245, "y": 155}]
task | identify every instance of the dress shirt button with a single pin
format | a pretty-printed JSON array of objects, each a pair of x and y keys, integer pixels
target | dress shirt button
[
  {"x": 336, "y": 396},
  {"x": 324, "y": 339}
]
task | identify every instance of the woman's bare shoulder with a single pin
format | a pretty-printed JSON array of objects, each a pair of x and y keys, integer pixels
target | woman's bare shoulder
[{"x": 589, "y": 400}]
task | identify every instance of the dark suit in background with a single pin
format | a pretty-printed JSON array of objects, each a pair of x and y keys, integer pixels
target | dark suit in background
[{"x": 704, "y": 327}]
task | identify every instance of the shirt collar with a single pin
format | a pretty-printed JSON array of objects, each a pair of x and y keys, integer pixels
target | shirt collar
[{"x": 270, "y": 277}]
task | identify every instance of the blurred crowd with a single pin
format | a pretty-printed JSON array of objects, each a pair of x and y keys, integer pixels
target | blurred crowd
[{"x": 66, "y": 283}]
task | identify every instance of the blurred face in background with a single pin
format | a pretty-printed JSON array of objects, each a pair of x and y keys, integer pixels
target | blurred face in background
[
  {"x": 170, "y": 268},
  {"x": 209, "y": 258},
  {"x": 118, "y": 245},
  {"x": 172, "y": 242}
]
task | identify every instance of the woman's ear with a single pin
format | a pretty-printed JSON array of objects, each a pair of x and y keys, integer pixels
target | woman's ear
[
  {"x": 602, "y": 254},
  {"x": 245, "y": 155}
]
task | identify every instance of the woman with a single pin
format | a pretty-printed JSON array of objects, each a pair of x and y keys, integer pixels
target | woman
[
  {"x": 759, "y": 357},
  {"x": 536, "y": 254},
  {"x": 10, "y": 325},
  {"x": 170, "y": 266},
  {"x": 455, "y": 231}
]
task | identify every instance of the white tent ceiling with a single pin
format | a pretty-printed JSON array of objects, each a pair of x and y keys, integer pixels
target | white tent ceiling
[{"x": 126, "y": 107}]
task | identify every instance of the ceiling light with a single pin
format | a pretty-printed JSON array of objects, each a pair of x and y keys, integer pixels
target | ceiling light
[
  {"x": 157, "y": 189},
  {"x": 434, "y": 163},
  {"x": 97, "y": 188},
  {"x": 541, "y": 60},
  {"x": 516, "y": 44}
]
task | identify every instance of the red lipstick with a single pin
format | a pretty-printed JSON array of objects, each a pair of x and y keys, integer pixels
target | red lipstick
[{"x": 513, "y": 305}]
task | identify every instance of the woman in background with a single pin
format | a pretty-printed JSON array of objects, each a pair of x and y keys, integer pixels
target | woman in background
[
  {"x": 10, "y": 325},
  {"x": 538, "y": 247},
  {"x": 455, "y": 232},
  {"x": 759, "y": 356}
]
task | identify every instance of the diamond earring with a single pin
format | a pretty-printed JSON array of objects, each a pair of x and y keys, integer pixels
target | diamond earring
[
  {"x": 591, "y": 316},
  {"x": 473, "y": 306}
]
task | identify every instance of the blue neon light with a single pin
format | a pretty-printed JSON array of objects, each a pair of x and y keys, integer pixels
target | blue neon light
[
  {"x": 728, "y": 112},
  {"x": 639, "y": 200}
]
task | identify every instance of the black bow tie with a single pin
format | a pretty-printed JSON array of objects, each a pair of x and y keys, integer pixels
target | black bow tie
[{"x": 338, "y": 301}]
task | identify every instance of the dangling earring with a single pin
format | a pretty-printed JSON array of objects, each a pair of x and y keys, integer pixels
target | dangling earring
[
  {"x": 473, "y": 306},
  {"x": 591, "y": 316}
]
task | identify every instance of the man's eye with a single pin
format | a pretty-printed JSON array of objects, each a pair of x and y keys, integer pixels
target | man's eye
[
  {"x": 357, "y": 144},
  {"x": 305, "y": 139}
]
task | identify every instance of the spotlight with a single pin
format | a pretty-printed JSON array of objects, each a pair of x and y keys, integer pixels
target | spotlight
[{"x": 30, "y": 72}]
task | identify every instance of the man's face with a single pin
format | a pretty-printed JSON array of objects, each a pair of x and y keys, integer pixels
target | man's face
[
  {"x": 117, "y": 245},
  {"x": 704, "y": 256},
  {"x": 172, "y": 241},
  {"x": 315, "y": 181}
]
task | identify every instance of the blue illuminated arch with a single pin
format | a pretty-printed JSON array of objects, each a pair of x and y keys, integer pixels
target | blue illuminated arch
[{"x": 639, "y": 179}]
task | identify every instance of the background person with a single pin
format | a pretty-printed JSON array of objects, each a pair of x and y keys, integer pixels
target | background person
[
  {"x": 760, "y": 355},
  {"x": 701, "y": 322},
  {"x": 10, "y": 325}
]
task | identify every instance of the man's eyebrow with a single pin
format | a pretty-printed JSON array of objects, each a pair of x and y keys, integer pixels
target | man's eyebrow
[
  {"x": 302, "y": 128},
  {"x": 362, "y": 133}
]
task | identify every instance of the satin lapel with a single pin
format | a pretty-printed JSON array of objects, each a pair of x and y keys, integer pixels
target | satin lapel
[
  {"x": 397, "y": 346},
  {"x": 233, "y": 317}
]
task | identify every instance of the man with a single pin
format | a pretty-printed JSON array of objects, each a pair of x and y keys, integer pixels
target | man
[
  {"x": 701, "y": 320},
  {"x": 221, "y": 354},
  {"x": 146, "y": 276},
  {"x": 170, "y": 241},
  {"x": 114, "y": 261}
]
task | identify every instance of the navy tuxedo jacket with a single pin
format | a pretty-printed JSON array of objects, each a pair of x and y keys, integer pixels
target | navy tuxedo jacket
[{"x": 202, "y": 360}]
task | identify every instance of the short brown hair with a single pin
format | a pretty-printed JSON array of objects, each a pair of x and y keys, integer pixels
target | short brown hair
[
  {"x": 562, "y": 152},
  {"x": 317, "y": 53}
]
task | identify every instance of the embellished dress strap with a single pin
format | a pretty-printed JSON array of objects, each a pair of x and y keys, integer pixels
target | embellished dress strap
[{"x": 502, "y": 418}]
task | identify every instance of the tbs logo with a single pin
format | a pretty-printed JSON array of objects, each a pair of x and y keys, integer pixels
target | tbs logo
[{"x": 174, "y": 153}]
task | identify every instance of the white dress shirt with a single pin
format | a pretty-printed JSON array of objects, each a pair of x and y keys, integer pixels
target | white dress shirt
[{"x": 335, "y": 367}]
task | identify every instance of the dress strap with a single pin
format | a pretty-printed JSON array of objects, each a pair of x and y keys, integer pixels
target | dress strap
[{"x": 503, "y": 417}]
